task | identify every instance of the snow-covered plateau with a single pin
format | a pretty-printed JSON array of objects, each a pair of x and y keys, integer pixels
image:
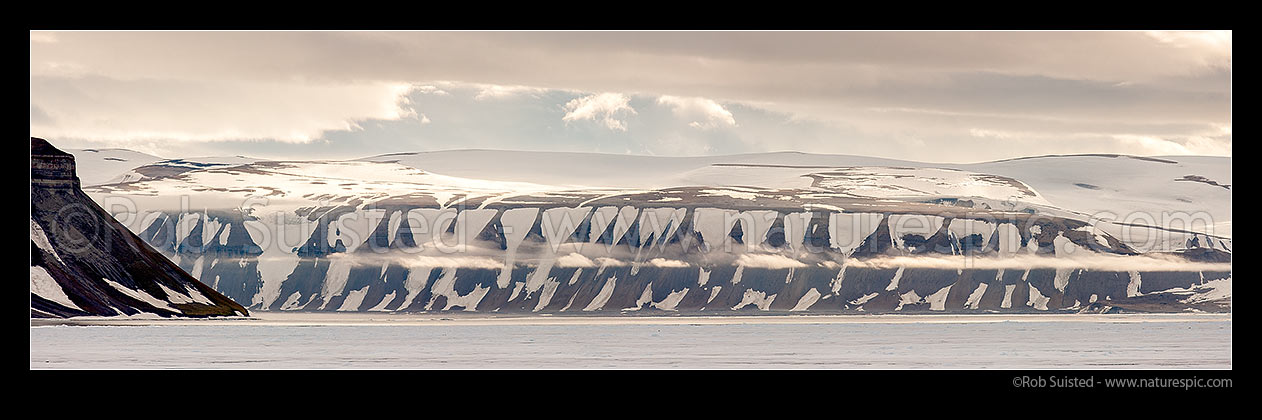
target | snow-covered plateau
[{"x": 550, "y": 232}]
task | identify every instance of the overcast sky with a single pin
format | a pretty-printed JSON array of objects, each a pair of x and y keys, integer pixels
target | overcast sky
[{"x": 928, "y": 96}]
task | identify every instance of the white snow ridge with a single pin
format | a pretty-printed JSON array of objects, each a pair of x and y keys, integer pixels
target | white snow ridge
[{"x": 527, "y": 232}]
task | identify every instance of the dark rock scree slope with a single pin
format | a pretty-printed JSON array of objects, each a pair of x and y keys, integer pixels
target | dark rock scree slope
[{"x": 85, "y": 263}]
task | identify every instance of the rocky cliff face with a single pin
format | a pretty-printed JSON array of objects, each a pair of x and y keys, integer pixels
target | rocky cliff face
[
  {"x": 769, "y": 233},
  {"x": 705, "y": 260},
  {"x": 83, "y": 262}
]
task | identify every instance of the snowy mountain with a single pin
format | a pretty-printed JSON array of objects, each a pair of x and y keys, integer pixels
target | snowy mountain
[
  {"x": 99, "y": 166},
  {"x": 111, "y": 166},
  {"x": 1128, "y": 185},
  {"x": 83, "y": 262},
  {"x": 501, "y": 231},
  {"x": 1082, "y": 184}
]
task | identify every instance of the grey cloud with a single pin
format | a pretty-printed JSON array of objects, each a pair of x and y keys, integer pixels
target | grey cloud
[
  {"x": 38, "y": 116},
  {"x": 550, "y": 59},
  {"x": 879, "y": 93}
]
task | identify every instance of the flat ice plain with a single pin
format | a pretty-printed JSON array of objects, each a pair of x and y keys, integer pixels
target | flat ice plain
[{"x": 271, "y": 340}]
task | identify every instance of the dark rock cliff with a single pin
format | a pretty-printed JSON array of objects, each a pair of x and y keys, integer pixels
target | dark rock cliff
[{"x": 85, "y": 263}]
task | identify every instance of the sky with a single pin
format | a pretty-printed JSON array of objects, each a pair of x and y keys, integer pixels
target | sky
[{"x": 952, "y": 97}]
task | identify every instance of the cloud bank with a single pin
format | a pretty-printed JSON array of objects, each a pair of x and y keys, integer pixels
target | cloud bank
[
  {"x": 937, "y": 96},
  {"x": 1099, "y": 262}
]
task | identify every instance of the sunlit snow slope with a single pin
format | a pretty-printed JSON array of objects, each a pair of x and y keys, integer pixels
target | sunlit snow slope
[{"x": 99, "y": 166}]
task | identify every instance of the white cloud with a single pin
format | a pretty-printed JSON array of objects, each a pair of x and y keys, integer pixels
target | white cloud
[
  {"x": 430, "y": 90},
  {"x": 772, "y": 261},
  {"x": 995, "y": 134},
  {"x": 107, "y": 109},
  {"x": 1207, "y": 146},
  {"x": 574, "y": 260},
  {"x": 703, "y": 113},
  {"x": 1089, "y": 261},
  {"x": 1223, "y": 129},
  {"x": 1212, "y": 143},
  {"x": 666, "y": 263},
  {"x": 62, "y": 69},
  {"x": 1149, "y": 145},
  {"x": 676, "y": 145},
  {"x": 43, "y": 37},
  {"x": 414, "y": 260},
  {"x": 1213, "y": 44},
  {"x": 487, "y": 92},
  {"x": 601, "y": 108}
]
